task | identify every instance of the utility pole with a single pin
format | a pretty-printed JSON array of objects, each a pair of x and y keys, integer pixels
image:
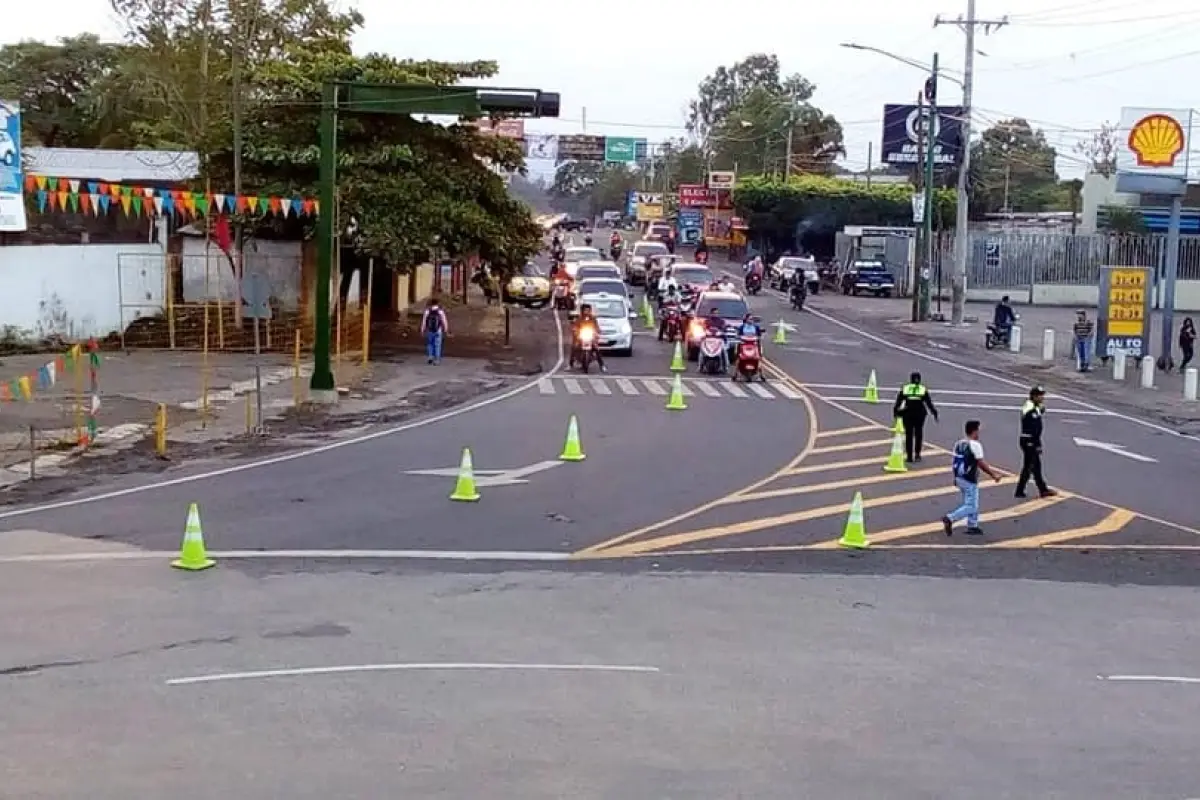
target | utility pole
[
  {"x": 931, "y": 129},
  {"x": 870, "y": 156},
  {"x": 923, "y": 190},
  {"x": 958, "y": 280}
]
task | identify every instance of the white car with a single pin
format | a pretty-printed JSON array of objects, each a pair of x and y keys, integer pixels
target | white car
[
  {"x": 613, "y": 314},
  {"x": 783, "y": 270},
  {"x": 638, "y": 257}
]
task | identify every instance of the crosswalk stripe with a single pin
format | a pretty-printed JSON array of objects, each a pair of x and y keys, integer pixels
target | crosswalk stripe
[
  {"x": 733, "y": 389},
  {"x": 626, "y": 386},
  {"x": 761, "y": 391},
  {"x": 787, "y": 391},
  {"x": 573, "y": 386},
  {"x": 707, "y": 388},
  {"x": 546, "y": 386},
  {"x": 687, "y": 392},
  {"x": 654, "y": 387},
  {"x": 599, "y": 386}
]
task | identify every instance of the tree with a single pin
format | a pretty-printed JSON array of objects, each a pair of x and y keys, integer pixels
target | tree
[
  {"x": 593, "y": 186},
  {"x": 675, "y": 161},
  {"x": 1101, "y": 150},
  {"x": 57, "y": 87},
  {"x": 728, "y": 87},
  {"x": 1013, "y": 169}
]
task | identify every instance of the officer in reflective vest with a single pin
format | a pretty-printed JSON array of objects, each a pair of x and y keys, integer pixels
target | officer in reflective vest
[
  {"x": 1031, "y": 444},
  {"x": 913, "y": 404}
]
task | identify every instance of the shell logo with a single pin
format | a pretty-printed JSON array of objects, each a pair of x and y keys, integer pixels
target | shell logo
[{"x": 1156, "y": 140}]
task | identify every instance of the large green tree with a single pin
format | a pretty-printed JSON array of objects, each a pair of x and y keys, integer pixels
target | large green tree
[
  {"x": 1013, "y": 169},
  {"x": 592, "y": 187}
]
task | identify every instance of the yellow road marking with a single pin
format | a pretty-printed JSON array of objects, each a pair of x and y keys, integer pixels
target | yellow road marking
[
  {"x": 865, "y": 480},
  {"x": 755, "y": 525},
  {"x": 873, "y": 461},
  {"x": 842, "y": 448},
  {"x": 1173, "y": 548},
  {"x": 848, "y": 431},
  {"x": 908, "y": 531},
  {"x": 1116, "y": 520}
]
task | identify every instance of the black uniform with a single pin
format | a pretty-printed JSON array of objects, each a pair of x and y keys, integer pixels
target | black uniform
[
  {"x": 1031, "y": 449},
  {"x": 913, "y": 404}
]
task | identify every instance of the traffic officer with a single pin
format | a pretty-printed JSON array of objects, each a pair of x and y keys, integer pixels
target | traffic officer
[
  {"x": 1031, "y": 443},
  {"x": 913, "y": 404}
]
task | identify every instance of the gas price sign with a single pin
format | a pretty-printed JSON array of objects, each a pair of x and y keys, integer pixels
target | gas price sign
[{"x": 1125, "y": 294}]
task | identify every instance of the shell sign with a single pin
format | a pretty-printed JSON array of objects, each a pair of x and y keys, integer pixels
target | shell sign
[{"x": 1154, "y": 141}]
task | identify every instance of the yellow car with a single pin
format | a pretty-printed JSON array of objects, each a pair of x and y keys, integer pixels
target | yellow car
[{"x": 528, "y": 287}]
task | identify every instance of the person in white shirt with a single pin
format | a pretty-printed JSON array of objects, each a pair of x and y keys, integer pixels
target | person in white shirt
[
  {"x": 666, "y": 283},
  {"x": 726, "y": 285},
  {"x": 968, "y": 463}
]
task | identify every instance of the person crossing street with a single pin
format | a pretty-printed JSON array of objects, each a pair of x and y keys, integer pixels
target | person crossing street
[
  {"x": 913, "y": 405},
  {"x": 1031, "y": 444}
]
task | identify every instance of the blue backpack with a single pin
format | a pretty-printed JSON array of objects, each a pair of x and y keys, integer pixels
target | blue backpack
[{"x": 964, "y": 464}]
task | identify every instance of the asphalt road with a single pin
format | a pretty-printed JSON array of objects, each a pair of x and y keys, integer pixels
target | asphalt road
[{"x": 623, "y": 642}]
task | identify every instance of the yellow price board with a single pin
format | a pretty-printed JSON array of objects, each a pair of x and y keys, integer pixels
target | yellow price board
[{"x": 1127, "y": 302}]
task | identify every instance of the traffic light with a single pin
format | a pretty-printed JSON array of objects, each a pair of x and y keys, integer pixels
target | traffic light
[{"x": 519, "y": 102}]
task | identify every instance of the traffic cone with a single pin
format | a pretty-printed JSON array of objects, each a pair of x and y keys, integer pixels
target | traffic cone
[
  {"x": 677, "y": 364},
  {"x": 854, "y": 536},
  {"x": 650, "y": 316},
  {"x": 898, "y": 426},
  {"x": 895, "y": 462},
  {"x": 675, "y": 401},
  {"x": 464, "y": 489},
  {"x": 871, "y": 393},
  {"x": 192, "y": 555},
  {"x": 780, "y": 334},
  {"x": 572, "y": 450}
]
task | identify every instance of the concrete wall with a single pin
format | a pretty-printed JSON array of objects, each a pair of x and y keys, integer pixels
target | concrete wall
[
  {"x": 1187, "y": 295},
  {"x": 207, "y": 275},
  {"x": 76, "y": 291}
]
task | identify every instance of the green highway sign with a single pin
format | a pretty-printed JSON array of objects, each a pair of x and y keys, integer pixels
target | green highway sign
[{"x": 620, "y": 149}]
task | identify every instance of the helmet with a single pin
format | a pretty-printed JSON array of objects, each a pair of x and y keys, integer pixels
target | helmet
[{"x": 587, "y": 239}]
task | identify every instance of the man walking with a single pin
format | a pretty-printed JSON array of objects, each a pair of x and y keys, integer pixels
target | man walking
[
  {"x": 433, "y": 325},
  {"x": 1083, "y": 340},
  {"x": 968, "y": 463},
  {"x": 912, "y": 406},
  {"x": 1031, "y": 444}
]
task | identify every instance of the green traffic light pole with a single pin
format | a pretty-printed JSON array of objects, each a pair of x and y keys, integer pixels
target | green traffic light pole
[
  {"x": 373, "y": 98},
  {"x": 931, "y": 136}
]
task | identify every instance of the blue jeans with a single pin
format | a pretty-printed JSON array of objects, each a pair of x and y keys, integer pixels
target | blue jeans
[
  {"x": 1083, "y": 351},
  {"x": 969, "y": 509},
  {"x": 433, "y": 345}
]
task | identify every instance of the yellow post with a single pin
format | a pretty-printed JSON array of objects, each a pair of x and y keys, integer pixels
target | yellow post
[
  {"x": 204, "y": 372},
  {"x": 80, "y": 427},
  {"x": 168, "y": 261},
  {"x": 160, "y": 431},
  {"x": 249, "y": 413},
  {"x": 366, "y": 313},
  {"x": 296, "y": 370}
]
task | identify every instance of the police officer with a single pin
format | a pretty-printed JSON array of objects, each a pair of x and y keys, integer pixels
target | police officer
[
  {"x": 1031, "y": 443},
  {"x": 913, "y": 404}
]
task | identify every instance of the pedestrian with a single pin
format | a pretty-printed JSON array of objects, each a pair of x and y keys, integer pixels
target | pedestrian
[
  {"x": 1031, "y": 444},
  {"x": 1083, "y": 340},
  {"x": 1187, "y": 342},
  {"x": 433, "y": 324},
  {"x": 968, "y": 463},
  {"x": 913, "y": 405}
]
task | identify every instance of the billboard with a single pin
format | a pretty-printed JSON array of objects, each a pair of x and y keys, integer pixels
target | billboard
[
  {"x": 580, "y": 147},
  {"x": 541, "y": 146},
  {"x": 1154, "y": 141},
  {"x": 689, "y": 225},
  {"x": 693, "y": 195},
  {"x": 504, "y": 128},
  {"x": 1124, "y": 316},
  {"x": 902, "y": 136},
  {"x": 650, "y": 206},
  {"x": 12, "y": 183},
  {"x": 620, "y": 150},
  {"x": 721, "y": 179}
]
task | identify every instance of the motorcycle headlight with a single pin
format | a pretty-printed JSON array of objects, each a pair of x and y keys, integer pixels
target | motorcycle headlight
[
  {"x": 696, "y": 331},
  {"x": 586, "y": 336}
]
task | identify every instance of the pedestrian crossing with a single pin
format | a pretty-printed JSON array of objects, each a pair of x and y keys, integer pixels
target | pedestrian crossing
[{"x": 634, "y": 386}]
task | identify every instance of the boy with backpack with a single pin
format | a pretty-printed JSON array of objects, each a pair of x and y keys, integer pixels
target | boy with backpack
[
  {"x": 433, "y": 325},
  {"x": 968, "y": 463}
]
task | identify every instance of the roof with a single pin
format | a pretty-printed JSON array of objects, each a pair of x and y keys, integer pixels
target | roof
[
  {"x": 578, "y": 247},
  {"x": 113, "y": 166},
  {"x": 599, "y": 263},
  {"x": 713, "y": 294}
]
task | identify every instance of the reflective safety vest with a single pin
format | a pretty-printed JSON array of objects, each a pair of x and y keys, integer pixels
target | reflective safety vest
[{"x": 914, "y": 390}]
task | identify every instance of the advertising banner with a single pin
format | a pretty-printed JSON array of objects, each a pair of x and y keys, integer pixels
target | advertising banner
[
  {"x": 12, "y": 183},
  {"x": 721, "y": 179},
  {"x": 1154, "y": 141},
  {"x": 689, "y": 225},
  {"x": 650, "y": 206},
  {"x": 1124, "y": 316},
  {"x": 579, "y": 147},
  {"x": 718, "y": 225},
  {"x": 620, "y": 150},
  {"x": 902, "y": 136},
  {"x": 541, "y": 146},
  {"x": 504, "y": 128},
  {"x": 631, "y": 203},
  {"x": 693, "y": 195}
]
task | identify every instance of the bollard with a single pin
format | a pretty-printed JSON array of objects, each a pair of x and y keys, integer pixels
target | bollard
[
  {"x": 1119, "y": 365},
  {"x": 1048, "y": 345},
  {"x": 160, "y": 431},
  {"x": 1014, "y": 339},
  {"x": 1148, "y": 372},
  {"x": 249, "y": 413},
  {"x": 32, "y": 452},
  {"x": 1189, "y": 383}
]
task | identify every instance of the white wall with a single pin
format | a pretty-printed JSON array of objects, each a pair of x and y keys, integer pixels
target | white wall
[
  {"x": 209, "y": 276},
  {"x": 75, "y": 291}
]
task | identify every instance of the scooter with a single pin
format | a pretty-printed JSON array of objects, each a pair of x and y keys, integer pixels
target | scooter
[
  {"x": 587, "y": 349},
  {"x": 797, "y": 295},
  {"x": 712, "y": 354},
  {"x": 998, "y": 337},
  {"x": 753, "y": 284},
  {"x": 563, "y": 299},
  {"x": 746, "y": 362},
  {"x": 672, "y": 324}
]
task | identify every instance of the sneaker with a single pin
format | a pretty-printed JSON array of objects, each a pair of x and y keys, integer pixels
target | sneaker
[
  {"x": 948, "y": 526},
  {"x": 975, "y": 531},
  {"x": 1020, "y": 495},
  {"x": 917, "y": 459},
  {"x": 1048, "y": 493}
]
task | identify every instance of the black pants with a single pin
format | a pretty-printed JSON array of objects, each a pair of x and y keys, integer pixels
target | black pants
[
  {"x": 914, "y": 435},
  {"x": 1031, "y": 467},
  {"x": 577, "y": 357},
  {"x": 1188, "y": 352}
]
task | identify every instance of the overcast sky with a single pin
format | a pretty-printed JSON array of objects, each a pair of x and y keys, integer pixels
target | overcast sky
[{"x": 1066, "y": 65}]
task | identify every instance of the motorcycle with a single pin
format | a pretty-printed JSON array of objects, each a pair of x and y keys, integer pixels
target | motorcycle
[
  {"x": 712, "y": 353},
  {"x": 746, "y": 362},
  {"x": 616, "y": 250},
  {"x": 563, "y": 299},
  {"x": 587, "y": 348},
  {"x": 797, "y": 297},
  {"x": 997, "y": 337},
  {"x": 753, "y": 284},
  {"x": 672, "y": 324}
]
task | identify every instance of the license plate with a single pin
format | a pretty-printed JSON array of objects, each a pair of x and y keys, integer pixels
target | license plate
[{"x": 530, "y": 291}]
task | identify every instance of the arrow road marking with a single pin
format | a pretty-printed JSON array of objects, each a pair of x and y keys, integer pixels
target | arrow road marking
[
  {"x": 1116, "y": 449},
  {"x": 492, "y": 477}
]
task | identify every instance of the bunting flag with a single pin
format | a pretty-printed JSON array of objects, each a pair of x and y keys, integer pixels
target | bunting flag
[
  {"x": 50, "y": 373},
  {"x": 71, "y": 196}
]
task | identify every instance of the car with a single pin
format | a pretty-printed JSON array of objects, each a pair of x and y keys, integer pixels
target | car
[
  {"x": 660, "y": 231},
  {"x": 868, "y": 276},
  {"x": 613, "y": 286},
  {"x": 696, "y": 276},
  {"x": 573, "y": 255},
  {"x": 781, "y": 273},
  {"x": 597, "y": 269},
  {"x": 8, "y": 150},
  {"x": 613, "y": 314},
  {"x": 731, "y": 307},
  {"x": 528, "y": 287},
  {"x": 572, "y": 224},
  {"x": 636, "y": 258}
]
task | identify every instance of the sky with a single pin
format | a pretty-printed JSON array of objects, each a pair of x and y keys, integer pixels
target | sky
[{"x": 1065, "y": 65}]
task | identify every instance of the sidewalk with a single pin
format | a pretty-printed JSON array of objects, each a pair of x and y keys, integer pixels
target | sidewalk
[{"x": 891, "y": 318}]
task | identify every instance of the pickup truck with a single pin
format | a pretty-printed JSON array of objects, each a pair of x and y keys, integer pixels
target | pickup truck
[{"x": 870, "y": 277}]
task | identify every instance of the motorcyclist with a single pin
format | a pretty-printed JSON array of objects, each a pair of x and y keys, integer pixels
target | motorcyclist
[
  {"x": 666, "y": 283},
  {"x": 1003, "y": 318},
  {"x": 586, "y": 319},
  {"x": 714, "y": 325},
  {"x": 587, "y": 240},
  {"x": 670, "y": 300},
  {"x": 749, "y": 327},
  {"x": 799, "y": 287},
  {"x": 701, "y": 249},
  {"x": 723, "y": 284}
]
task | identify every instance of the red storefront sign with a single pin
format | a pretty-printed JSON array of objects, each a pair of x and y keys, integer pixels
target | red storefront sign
[{"x": 693, "y": 195}]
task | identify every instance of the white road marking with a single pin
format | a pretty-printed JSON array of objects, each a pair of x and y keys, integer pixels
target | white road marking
[
  {"x": 1016, "y": 409},
  {"x": 654, "y": 387},
  {"x": 332, "y": 555},
  {"x": 296, "y": 456},
  {"x": 1148, "y": 678},
  {"x": 938, "y": 390},
  {"x": 786, "y": 391},
  {"x": 442, "y": 667},
  {"x": 599, "y": 386},
  {"x": 706, "y": 388},
  {"x": 760, "y": 390},
  {"x": 1115, "y": 449},
  {"x": 546, "y": 386},
  {"x": 626, "y": 386},
  {"x": 687, "y": 391},
  {"x": 572, "y": 385},
  {"x": 733, "y": 389}
]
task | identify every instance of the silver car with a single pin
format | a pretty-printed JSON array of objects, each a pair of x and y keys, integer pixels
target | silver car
[{"x": 637, "y": 258}]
